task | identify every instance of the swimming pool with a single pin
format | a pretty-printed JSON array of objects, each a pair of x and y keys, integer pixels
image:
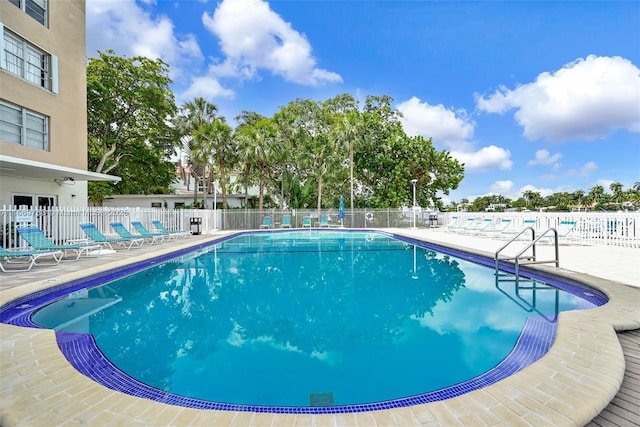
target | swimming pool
[{"x": 358, "y": 257}]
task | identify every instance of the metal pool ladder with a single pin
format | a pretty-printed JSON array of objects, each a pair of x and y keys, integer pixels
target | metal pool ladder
[{"x": 520, "y": 258}]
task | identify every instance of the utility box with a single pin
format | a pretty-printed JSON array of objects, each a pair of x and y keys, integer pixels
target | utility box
[{"x": 195, "y": 224}]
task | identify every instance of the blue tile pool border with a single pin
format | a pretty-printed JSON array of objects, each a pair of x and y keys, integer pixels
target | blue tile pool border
[{"x": 81, "y": 351}]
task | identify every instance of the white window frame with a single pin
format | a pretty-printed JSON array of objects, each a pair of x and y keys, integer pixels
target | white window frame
[
  {"x": 31, "y": 131},
  {"x": 32, "y": 8},
  {"x": 27, "y": 61}
]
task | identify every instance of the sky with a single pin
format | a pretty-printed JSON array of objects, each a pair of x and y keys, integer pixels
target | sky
[{"x": 530, "y": 95}]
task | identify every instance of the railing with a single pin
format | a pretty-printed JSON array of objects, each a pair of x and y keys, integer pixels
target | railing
[
  {"x": 62, "y": 223},
  {"x": 528, "y": 259},
  {"x": 588, "y": 228}
]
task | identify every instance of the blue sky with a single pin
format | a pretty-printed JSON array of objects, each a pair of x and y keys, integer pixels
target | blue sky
[{"x": 530, "y": 95}]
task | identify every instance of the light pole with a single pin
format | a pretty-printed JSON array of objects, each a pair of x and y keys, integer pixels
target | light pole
[{"x": 413, "y": 182}]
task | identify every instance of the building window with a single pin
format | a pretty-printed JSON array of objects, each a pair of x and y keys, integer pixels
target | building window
[
  {"x": 37, "y": 9},
  {"x": 22, "y": 201},
  {"x": 21, "y": 58},
  {"x": 156, "y": 204},
  {"x": 21, "y": 126}
]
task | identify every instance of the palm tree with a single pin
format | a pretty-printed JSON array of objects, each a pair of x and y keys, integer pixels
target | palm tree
[
  {"x": 577, "y": 196},
  {"x": 618, "y": 194},
  {"x": 225, "y": 153},
  {"x": 348, "y": 131},
  {"x": 244, "y": 136},
  {"x": 595, "y": 194},
  {"x": 256, "y": 149},
  {"x": 191, "y": 117},
  {"x": 532, "y": 198},
  {"x": 202, "y": 151},
  {"x": 284, "y": 123}
]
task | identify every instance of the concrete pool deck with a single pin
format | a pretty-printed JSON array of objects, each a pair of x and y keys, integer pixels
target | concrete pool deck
[{"x": 569, "y": 386}]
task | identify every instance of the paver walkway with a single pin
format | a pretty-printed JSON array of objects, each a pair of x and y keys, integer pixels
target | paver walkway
[{"x": 569, "y": 386}]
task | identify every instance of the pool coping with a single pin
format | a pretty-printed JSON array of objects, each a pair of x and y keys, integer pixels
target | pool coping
[{"x": 570, "y": 385}]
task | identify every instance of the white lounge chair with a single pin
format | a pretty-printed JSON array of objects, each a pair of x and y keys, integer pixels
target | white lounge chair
[{"x": 27, "y": 259}]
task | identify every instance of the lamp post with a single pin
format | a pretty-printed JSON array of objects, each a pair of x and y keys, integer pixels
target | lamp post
[{"x": 413, "y": 182}]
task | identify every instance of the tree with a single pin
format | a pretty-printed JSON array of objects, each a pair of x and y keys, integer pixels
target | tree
[
  {"x": 387, "y": 159},
  {"x": 128, "y": 104},
  {"x": 595, "y": 195},
  {"x": 316, "y": 151},
  {"x": 533, "y": 199},
  {"x": 225, "y": 153},
  {"x": 348, "y": 131},
  {"x": 191, "y": 121},
  {"x": 618, "y": 194}
]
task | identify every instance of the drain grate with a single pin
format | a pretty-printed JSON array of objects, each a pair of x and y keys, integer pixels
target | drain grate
[{"x": 321, "y": 399}]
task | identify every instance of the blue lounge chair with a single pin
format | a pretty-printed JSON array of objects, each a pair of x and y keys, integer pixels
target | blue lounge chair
[
  {"x": 122, "y": 231},
  {"x": 324, "y": 221},
  {"x": 144, "y": 232},
  {"x": 176, "y": 233},
  {"x": 266, "y": 222},
  {"x": 96, "y": 236},
  {"x": 26, "y": 258},
  {"x": 306, "y": 222},
  {"x": 36, "y": 238},
  {"x": 286, "y": 221}
]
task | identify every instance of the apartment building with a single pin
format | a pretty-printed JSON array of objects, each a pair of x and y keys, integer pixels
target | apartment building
[{"x": 43, "y": 104}]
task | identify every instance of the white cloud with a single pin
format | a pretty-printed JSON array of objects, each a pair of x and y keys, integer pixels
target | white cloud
[
  {"x": 206, "y": 87},
  {"x": 543, "y": 158},
  {"x": 253, "y": 37},
  {"x": 585, "y": 100},
  {"x": 588, "y": 168},
  {"x": 447, "y": 127},
  {"x": 606, "y": 184},
  {"x": 502, "y": 187},
  {"x": 584, "y": 170},
  {"x": 485, "y": 159},
  {"x": 129, "y": 30},
  {"x": 454, "y": 130},
  {"x": 544, "y": 192}
]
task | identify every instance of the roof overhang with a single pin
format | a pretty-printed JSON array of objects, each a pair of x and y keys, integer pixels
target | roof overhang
[{"x": 22, "y": 168}]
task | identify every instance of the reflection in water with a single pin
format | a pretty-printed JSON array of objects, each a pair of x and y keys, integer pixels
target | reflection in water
[{"x": 269, "y": 319}]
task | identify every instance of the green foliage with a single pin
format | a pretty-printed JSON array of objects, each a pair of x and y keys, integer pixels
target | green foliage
[
  {"x": 128, "y": 106},
  {"x": 98, "y": 191}
]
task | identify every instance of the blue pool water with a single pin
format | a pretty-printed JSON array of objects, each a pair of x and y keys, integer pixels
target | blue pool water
[{"x": 299, "y": 319}]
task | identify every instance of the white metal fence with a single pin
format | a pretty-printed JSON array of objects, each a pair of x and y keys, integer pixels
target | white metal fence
[{"x": 589, "y": 228}]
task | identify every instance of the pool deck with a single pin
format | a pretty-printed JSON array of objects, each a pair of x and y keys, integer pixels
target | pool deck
[{"x": 573, "y": 383}]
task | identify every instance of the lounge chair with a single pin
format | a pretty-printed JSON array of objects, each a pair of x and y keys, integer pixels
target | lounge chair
[
  {"x": 176, "y": 233},
  {"x": 306, "y": 222},
  {"x": 266, "y": 222},
  {"x": 469, "y": 225},
  {"x": 144, "y": 232},
  {"x": 324, "y": 221},
  {"x": 286, "y": 221},
  {"x": 26, "y": 258},
  {"x": 96, "y": 236},
  {"x": 36, "y": 238},
  {"x": 498, "y": 227},
  {"x": 481, "y": 226},
  {"x": 567, "y": 230},
  {"x": 454, "y": 223},
  {"x": 509, "y": 232},
  {"x": 122, "y": 231}
]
